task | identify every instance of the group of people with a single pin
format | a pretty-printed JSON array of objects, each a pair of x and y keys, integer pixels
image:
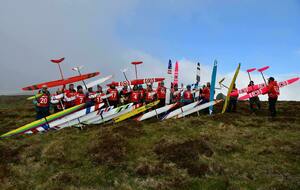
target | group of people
[
  {"x": 254, "y": 102},
  {"x": 137, "y": 95},
  {"x": 66, "y": 98}
]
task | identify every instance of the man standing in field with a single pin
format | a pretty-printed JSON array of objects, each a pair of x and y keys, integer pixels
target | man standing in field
[
  {"x": 233, "y": 99},
  {"x": 254, "y": 101},
  {"x": 114, "y": 98},
  {"x": 273, "y": 93},
  {"x": 187, "y": 96},
  {"x": 43, "y": 103},
  {"x": 161, "y": 94}
]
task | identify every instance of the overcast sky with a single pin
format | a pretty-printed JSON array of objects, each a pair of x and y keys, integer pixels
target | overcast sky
[{"x": 106, "y": 36}]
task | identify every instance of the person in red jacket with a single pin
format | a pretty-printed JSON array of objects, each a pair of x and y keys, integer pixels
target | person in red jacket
[
  {"x": 124, "y": 95},
  {"x": 142, "y": 93},
  {"x": 206, "y": 93},
  {"x": 80, "y": 96},
  {"x": 100, "y": 93},
  {"x": 135, "y": 95},
  {"x": 70, "y": 96},
  {"x": 254, "y": 101},
  {"x": 114, "y": 98},
  {"x": 57, "y": 104},
  {"x": 175, "y": 94},
  {"x": 273, "y": 93},
  {"x": 161, "y": 94},
  {"x": 233, "y": 100},
  {"x": 90, "y": 97},
  {"x": 43, "y": 103},
  {"x": 187, "y": 96},
  {"x": 150, "y": 94}
]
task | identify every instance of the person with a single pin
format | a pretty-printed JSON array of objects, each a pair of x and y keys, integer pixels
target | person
[
  {"x": 124, "y": 95},
  {"x": 175, "y": 94},
  {"x": 80, "y": 96},
  {"x": 187, "y": 96},
  {"x": 69, "y": 96},
  {"x": 201, "y": 95},
  {"x": 99, "y": 94},
  {"x": 233, "y": 99},
  {"x": 273, "y": 93},
  {"x": 43, "y": 103},
  {"x": 198, "y": 92},
  {"x": 99, "y": 89},
  {"x": 150, "y": 94},
  {"x": 91, "y": 97},
  {"x": 114, "y": 98},
  {"x": 206, "y": 93},
  {"x": 254, "y": 101},
  {"x": 161, "y": 94},
  {"x": 135, "y": 95},
  {"x": 142, "y": 93},
  {"x": 56, "y": 101}
]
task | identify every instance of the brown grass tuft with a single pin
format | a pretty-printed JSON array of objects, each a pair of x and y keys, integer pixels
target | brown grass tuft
[
  {"x": 108, "y": 148},
  {"x": 186, "y": 155}
]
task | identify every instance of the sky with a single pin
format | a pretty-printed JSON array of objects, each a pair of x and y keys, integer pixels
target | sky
[{"x": 106, "y": 36}]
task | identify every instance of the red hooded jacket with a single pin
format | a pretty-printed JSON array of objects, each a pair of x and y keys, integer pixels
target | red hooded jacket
[{"x": 273, "y": 89}]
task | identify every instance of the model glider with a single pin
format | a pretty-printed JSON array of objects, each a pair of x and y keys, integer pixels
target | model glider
[
  {"x": 265, "y": 89},
  {"x": 61, "y": 82}
]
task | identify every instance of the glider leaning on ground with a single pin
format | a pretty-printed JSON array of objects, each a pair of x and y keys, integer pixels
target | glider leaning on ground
[
  {"x": 181, "y": 110},
  {"x": 157, "y": 112},
  {"x": 213, "y": 85},
  {"x": 197, "y": 108},
  {"x": 67, "y": 118},
  {"x": 106, "y": 116},
  {"x": 42, "y": 122},
  {"x": 135, "y": 111}
]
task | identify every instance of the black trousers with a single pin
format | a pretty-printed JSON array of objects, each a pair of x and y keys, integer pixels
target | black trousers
[
  {"x": 113, "y": 103},
  {"x": 161, "y": 103},
  {"x": 272, "y": 106},
  {"x": 232, "y": 104},
  {"x": 42, "y": 112},
  {"x": 254, "y": 101}
]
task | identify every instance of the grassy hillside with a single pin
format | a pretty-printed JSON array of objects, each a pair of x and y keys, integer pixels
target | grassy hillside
[{"x": 231, "y": 151}]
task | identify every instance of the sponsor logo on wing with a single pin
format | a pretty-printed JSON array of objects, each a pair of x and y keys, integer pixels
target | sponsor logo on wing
[
  {"x": 149, "y": 80},
  {"x": 283, "y": 83}
]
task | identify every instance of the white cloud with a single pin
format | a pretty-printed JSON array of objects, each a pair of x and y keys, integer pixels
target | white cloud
[{"x": 33, "y": 32}]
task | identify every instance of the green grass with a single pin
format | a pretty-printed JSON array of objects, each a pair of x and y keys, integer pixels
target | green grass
[{"x": 231, "y": 151}]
